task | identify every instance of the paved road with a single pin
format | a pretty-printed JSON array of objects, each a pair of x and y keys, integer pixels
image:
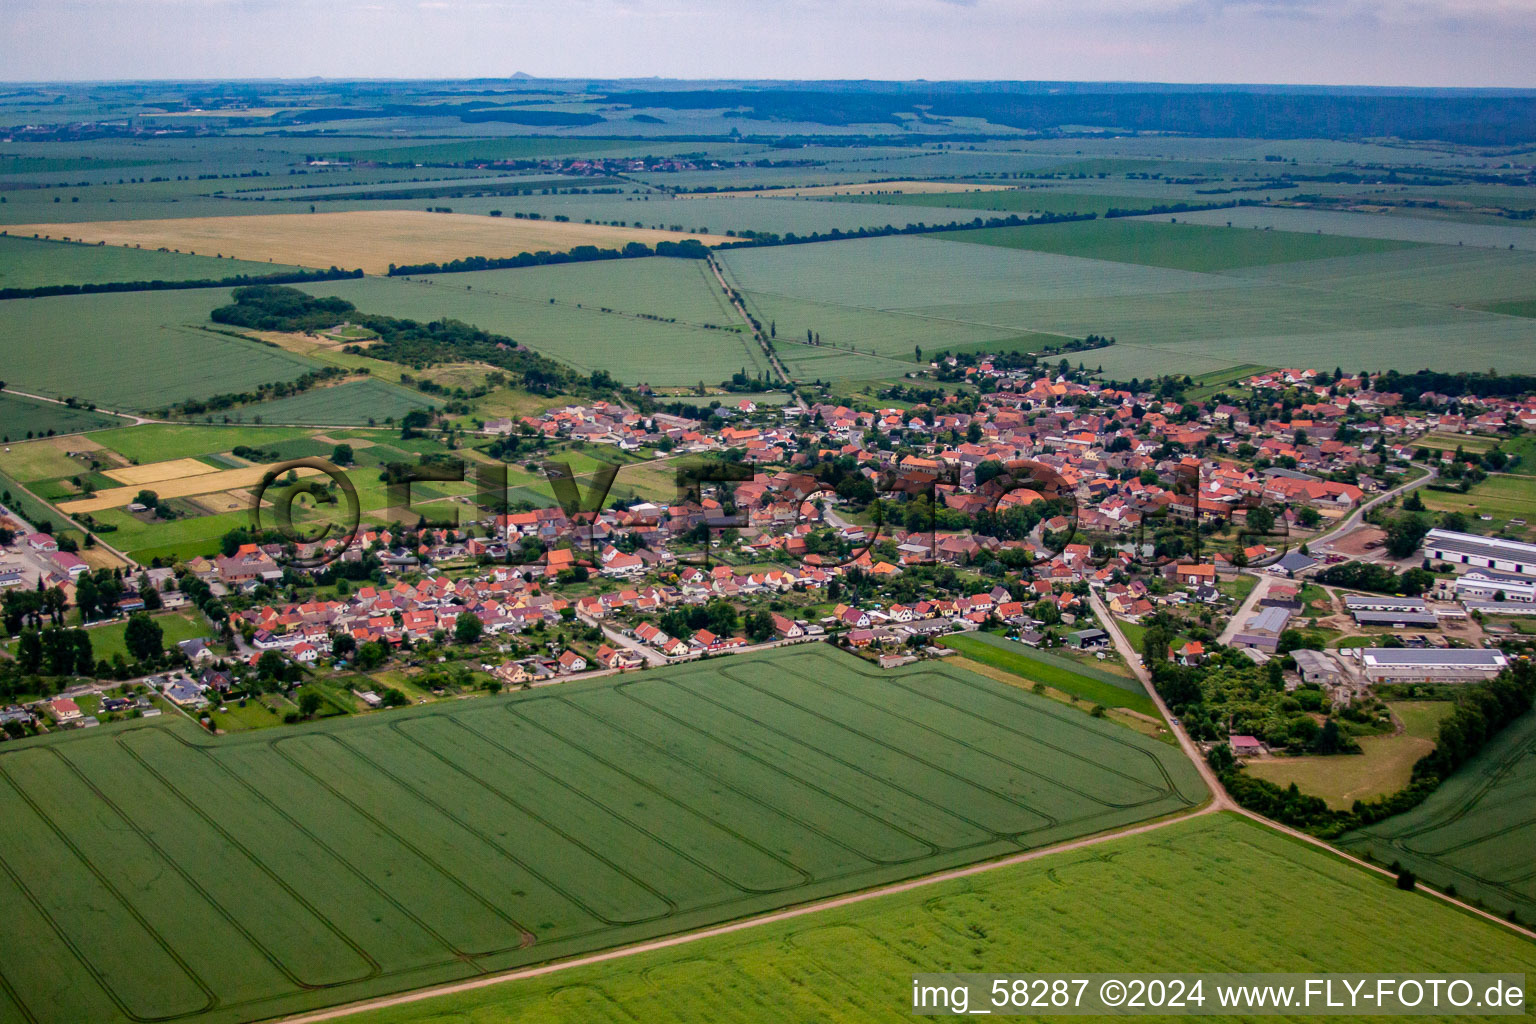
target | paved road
[
  {"x": 1349, "y": 522},
  {"x": 650, "y": 654}
]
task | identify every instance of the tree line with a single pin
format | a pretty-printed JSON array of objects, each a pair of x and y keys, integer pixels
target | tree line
[{"x": 236, "y": 280}]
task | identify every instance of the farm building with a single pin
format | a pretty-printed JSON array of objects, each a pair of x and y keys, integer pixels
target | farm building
[
  {"x": 1383, "y": 603},
  {"x": 1430, "y": 665},
  {"x": 1263, "y": 630},
  {"x": 1317, "y": 667},
  {"x": 1487, "y": 584},
  {"x": 1088, "y": 639},
  {"x": 1245, "y": 746},
  {"x": 1293, "y": 564},
  {"x": 1484, "y": 552},
  {"x": 1396, "y": 620}
]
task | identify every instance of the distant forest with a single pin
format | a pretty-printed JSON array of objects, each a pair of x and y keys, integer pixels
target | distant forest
[{"x": 1473, "y": 119}]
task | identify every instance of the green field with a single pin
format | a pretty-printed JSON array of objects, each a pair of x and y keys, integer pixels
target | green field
[
  {"x": 657, "y": 286},
  {"x": 1502, "y": 497},
  {"x": 1383, "y": 766},
  {"x": 353, "y": 403},
  {"x": 31, "y": 263},
  {"x": 1059, "y": 673},
  {"x": 157, "y": 442},
  {"x": 1366, "y": 225},
  {"x": 1177, "y": 246},
  {"x": 1476, "y": 831},
  {"x": 134, "y": 350},
  {"x": 176, "y": 626},
  {"x": 26, "y": 417},
  {"x": 1023, "y": 201},
  {"x": 1513, "y": 307},
  {"x": 263, "y": 873},
  {"x": 1165, "y": 901},
  {"x": 933, "y": 293},
  {"x": 631, "y": 346},
  {"x": 485, "y": 149}
]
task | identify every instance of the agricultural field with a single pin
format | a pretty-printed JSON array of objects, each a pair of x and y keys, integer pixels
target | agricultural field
[
  {"x": 871, "y": 188},
  {"x": 1020, "y": 201},
  {"x": 27, "y": 417},
  {"x": 1501, "y": 498},
  {"x": 161, "y": 442},
  {"x": 204, "y": 480},
  {"x": 352, "y": 403},
  {"x": 1430, "y": 274},
  {"x": 134, "y": 350},
  {"x": 33, "y": 263},
  {"x": 486, "y": 149},
  {"x": 369, "y": 239},
  {"x": 1164, "y": 320},
  {"x": 1384, "y": 766},
  {"x": 1368, "y": 225},
  {"x": 632, "y": 347},
  {"x": 263, "y": 873},
  {"x": 1056, "y": 672},
  {"x": 1161, "y": 901},
  {"x": 719, "y": 212},
  {"x": 1178, "y": 246},
  {"x": 1476, "y": 831},
  {"x": 658, "y": 287},
  {"x": 190, "y": 467}
]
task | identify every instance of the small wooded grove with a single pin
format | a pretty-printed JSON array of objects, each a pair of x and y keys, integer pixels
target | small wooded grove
[
  {"x": 269, "y": 308},
  {"x": 1482, "y": 711}
]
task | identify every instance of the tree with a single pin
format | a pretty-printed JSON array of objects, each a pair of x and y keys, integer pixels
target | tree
[
  {"x": 467, "y": 628},
  {"x": 1220, "y": 758},
  {"x": 1260, "y": 520},
  {"x": 371, "y": 655},
  {"x": 1405, "y": 534},
  {"x": 760, "y": 626},
  {"x": 1328, "y": 740},
  {"x": 343, "y": 645},
  {"x": 341, "y": 455},
  {"x": 143, "y": 637},
  {"x": 1309, "y": 517},
  {"x": 310, "y": 703},
  {"x": 29, "y": 651},
  {"x": 271, "y": 665}
]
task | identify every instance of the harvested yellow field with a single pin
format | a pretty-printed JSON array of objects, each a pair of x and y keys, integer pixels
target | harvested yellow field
[
  {"x": 184, "y": 487},
  {"x": 157, "y": 471},
  {"x": 99, "y": 558},
  {"x": 366, "y": 239},
  {"x": 868, "y": 188}
]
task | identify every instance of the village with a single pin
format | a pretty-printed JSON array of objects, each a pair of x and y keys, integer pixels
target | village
[{"x": 883, "y": 530}]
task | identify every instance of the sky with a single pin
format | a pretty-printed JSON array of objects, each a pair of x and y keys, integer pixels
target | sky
[{"x": 1334, "y": 42}]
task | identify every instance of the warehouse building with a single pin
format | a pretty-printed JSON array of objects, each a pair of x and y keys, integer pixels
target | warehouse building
[
  {"x": 1430, "y": 665},
  {"x": 1398, "y": 620},
  {"x": 1484, "y": 552},
  {"x": 1383, "y": 603},
  {"x": 1317, "y": 667},
  {"x": 1263, "y": 630},
  {"x": 1487, "y": 584}
]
